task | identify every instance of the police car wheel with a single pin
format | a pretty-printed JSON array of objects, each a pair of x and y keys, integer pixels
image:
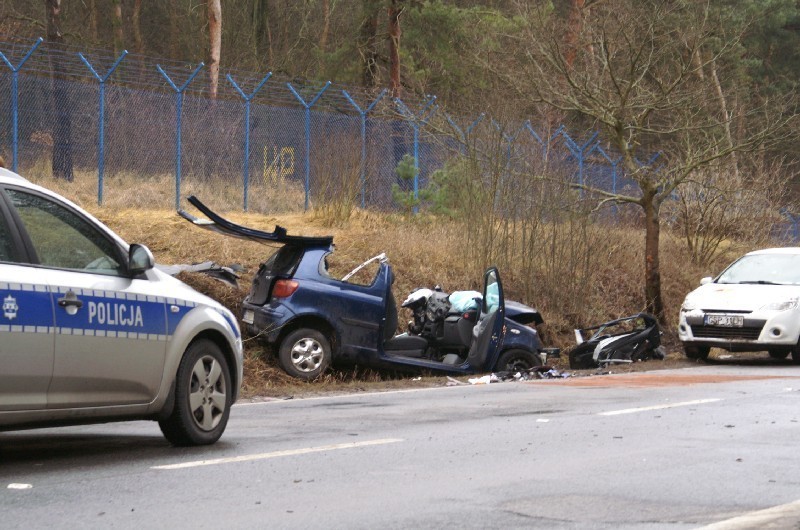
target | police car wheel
[
  {"x": 202, "y": 397},
  {"x": 305, "y": 354}
]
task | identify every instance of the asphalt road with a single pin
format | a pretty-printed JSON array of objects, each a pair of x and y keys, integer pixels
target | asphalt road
[{"x": 667, "y": 449}]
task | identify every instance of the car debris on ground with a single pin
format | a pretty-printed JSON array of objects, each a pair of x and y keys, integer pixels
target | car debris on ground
[{"x": 624, "y": 340}]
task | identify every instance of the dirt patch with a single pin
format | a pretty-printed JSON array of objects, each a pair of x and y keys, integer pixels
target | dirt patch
[{"x": 654, "y": 379}]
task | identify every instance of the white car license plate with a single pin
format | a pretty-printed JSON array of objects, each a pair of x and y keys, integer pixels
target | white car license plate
[
  {"x": 725, "y": 321},
  {"x": 248, "y": 317}
]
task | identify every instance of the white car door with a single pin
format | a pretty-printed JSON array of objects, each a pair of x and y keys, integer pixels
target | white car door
[
  {"x": 26, "y": 326},
  {"x": 110, "y": 329}
]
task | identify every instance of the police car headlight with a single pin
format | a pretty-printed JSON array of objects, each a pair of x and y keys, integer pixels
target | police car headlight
[{"x": 781, "y": 306}]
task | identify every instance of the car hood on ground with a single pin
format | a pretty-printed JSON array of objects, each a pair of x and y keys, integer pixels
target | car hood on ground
[{"x": 739, "y": 297}]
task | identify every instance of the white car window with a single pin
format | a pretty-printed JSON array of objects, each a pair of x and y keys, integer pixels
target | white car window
[{"x": 62, "y": 239}]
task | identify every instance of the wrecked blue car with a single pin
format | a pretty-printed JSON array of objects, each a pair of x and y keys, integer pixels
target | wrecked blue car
[{"x": 313, "y": 320}]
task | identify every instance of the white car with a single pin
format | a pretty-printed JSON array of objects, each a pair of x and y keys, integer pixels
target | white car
[
  {"x": 754, "y": 305},
  {"x": 91, "y": 332}
]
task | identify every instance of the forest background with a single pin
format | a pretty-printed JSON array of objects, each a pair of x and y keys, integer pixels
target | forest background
[{"x": 708, "y": 86}]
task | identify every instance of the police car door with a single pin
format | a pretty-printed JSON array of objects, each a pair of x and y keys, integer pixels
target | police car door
[
  {"x": 110, "y": 338},
  {"x": 26, "y": 325}
]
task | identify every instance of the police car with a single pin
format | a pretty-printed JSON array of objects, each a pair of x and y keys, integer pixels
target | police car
[{"x": 91, "y": 332}]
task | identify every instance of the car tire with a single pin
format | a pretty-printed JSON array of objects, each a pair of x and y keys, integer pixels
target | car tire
[
  {"x": 796, "y": 354},
  {"x": 203, "y": 397},
  {"x": 778, "y": 354},
  {"x": 517, "y": 361},
  {"x": 699, "y": 353},
  {"x": 305, "y": 354}
]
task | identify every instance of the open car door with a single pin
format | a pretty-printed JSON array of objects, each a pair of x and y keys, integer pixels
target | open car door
[{"x": 487, "y": 335}]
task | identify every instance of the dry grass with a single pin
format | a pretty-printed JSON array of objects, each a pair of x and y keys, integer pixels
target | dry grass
[{"x": 424, "y": 251}]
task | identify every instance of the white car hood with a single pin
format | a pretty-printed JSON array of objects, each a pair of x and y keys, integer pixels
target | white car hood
[{"x": 740, "y": 297}]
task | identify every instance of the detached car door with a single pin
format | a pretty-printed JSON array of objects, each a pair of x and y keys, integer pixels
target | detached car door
[
  {"x": 26, "y": 324},
  {"x": 110, "y": 329}
]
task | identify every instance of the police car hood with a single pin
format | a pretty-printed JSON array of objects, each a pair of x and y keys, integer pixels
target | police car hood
[{"x": 739, "y": 296}]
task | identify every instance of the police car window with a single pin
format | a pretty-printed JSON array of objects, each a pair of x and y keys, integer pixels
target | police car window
[
  {"x": 62, "y": 239},
  {"x": 6, "y": 248}
]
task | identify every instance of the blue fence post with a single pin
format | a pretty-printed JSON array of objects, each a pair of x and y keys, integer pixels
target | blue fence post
[
  {"x": 579, "y": 152},
  {"x": 178, "y": 111},
  {"x": 15, "y": 100},
  {"x": 308, "y": 106},
  {"x": 247, "y": 99},
  {"x": 462, "y": 135},
  {"x": 417, "y": 121},
  {"x": 363, "y": 115},
  {"x": 101, "y": 119}
]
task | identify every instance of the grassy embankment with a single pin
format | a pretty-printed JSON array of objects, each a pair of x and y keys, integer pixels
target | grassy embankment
[{"x": 423, "y": 250}]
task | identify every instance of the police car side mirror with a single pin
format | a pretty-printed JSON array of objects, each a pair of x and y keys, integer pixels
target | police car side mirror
[
  {"x": 140, "y": 259},
  {"x": 706, "y": 280}
]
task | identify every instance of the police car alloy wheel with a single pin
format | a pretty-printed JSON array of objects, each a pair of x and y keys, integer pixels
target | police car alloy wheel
[{"x": 202, "y": 397}]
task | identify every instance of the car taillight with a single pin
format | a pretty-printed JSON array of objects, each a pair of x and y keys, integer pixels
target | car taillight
[{"x": 284, "y": 288}]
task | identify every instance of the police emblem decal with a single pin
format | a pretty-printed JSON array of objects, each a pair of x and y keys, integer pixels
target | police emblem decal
[{"x": 10, "y": 307}]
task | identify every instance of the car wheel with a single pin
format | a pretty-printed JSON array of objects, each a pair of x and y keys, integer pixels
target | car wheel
[
  {"x": 778, "y": 354},
  {"x": 796, "y": 354},
  {"x": 517, "y": 361},
  {"x": 203, "y": 395},
  {"x": 696, "y": 352},
  {"x": 305, "y": 354}
]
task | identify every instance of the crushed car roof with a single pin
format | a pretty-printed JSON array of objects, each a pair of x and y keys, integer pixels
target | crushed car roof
[{"x": 220, "y": 225}]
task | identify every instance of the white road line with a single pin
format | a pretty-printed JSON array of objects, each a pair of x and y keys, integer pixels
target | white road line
[
  {"x": 658, "y": 407},
  {"x": 788, "y": 513},
  {"x": 276, "y": 454}
]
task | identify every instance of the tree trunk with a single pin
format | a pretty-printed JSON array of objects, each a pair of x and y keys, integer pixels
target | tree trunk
[
  {"x": 394, "y": 48},
  {"x": 574, "y": 26},
  {"x": 116, "y": 23},
  {"x": 62, "y": 124},
  {"x": 215, "y": 45},
  {"x": 652, "y": 269},
  {"x": 93, "y": 21},
  {"x": 368, "y": 37},
  {"x": 138, "y": 42},
  {"x": 326, "y": 26}
]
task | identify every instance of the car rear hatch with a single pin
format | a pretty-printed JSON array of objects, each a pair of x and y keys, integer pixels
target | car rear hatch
[{"x": 281, "y": 264}]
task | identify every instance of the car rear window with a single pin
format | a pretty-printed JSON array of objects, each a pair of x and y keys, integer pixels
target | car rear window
[{"x": 284, "y": 261}]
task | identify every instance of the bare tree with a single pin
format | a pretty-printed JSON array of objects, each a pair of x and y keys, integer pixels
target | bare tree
[
  {"x": 395, "y": 9},
  {"x": 215, "y": 45},
  {"x": 62, "y": 124},
  {"x": 635, "y": 75}
]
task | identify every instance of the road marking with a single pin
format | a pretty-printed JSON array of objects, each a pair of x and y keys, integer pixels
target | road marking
[
  {"x": 14, "y": 486},
  {"x": 276, "y": 454},
  {"x": 659, "y": 407},
  {"x": 789, "y": 513}
]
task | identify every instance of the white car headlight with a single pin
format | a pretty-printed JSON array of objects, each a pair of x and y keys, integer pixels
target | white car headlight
[
  {"x": 689, "y": 305},
  {"x": 781, "y": 306}
]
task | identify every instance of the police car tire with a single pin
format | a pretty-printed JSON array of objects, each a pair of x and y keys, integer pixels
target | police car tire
[
  {"x": 182, "y": 427},
  {"x": 303, "y": 339}
]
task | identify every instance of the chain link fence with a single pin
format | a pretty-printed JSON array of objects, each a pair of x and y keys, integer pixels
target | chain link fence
[{"x": 133, "y": 131}]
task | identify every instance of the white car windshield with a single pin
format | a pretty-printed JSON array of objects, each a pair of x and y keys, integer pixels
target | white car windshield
[{"x": 765, "y": 269}]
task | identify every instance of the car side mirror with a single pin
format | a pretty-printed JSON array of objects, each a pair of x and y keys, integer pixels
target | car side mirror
[
  {"x": 140, "y": 259},
  {"x": 707, "y": 279}
]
